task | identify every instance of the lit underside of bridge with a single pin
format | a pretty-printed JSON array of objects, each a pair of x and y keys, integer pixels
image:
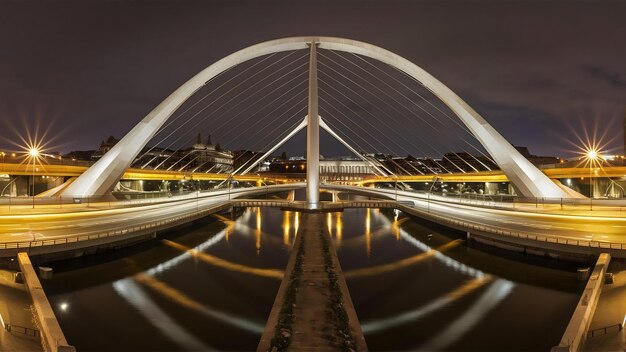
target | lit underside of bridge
[{"x": 148, "y": 174}]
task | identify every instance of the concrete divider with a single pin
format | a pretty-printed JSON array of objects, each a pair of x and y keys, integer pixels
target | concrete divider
[
  {"x": 576, "y": 331},
  {"x": 52, "y": 338}
]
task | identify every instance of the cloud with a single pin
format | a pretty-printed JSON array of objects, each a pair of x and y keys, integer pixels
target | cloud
[{"x": 613, "y": 78}]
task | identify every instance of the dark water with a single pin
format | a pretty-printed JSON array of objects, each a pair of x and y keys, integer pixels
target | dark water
[
  {"x": 157, "y": 297},
  {"x": 463, "y": 299}
]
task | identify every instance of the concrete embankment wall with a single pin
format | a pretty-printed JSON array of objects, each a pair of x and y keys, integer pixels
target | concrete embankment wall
[
  {"x": 52, "y": 337},
  {"x": 576, "y": 331}
]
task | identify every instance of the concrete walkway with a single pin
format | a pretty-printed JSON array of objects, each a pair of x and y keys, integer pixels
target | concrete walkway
[
  {"x": 15, "y": 309},
  {"x": 315, "y": 325},
  {"x": 611, "y": 310}
]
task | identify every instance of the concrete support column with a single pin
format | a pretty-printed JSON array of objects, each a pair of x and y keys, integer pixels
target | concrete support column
[{"x": 313, "y": 135}]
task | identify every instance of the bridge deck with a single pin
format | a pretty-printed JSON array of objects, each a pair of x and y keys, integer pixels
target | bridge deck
[{"x": 323, "y": 206}]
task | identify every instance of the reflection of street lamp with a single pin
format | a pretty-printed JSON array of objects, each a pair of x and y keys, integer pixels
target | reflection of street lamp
[{"x": 33, "y": 153}]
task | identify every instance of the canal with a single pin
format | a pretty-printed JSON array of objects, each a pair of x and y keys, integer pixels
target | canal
[{"x": 211, "y": 286}]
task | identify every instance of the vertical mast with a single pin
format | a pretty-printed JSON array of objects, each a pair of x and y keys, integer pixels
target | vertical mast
[{"x": 313, "y": 136}]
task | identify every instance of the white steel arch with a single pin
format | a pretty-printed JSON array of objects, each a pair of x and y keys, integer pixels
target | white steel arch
[{"x": 100, "y": 178}]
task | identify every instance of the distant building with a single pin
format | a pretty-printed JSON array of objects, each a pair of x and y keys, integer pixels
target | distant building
[
  {"x": 105, "y": 146},
  {"x": 201, "y": 157},
  {"x": 538, "y": 160},
  {"x": 82, "y": 155}
]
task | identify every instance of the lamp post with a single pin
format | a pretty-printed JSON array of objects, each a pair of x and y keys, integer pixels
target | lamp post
[
  {"x": 33, "y": 153},
  {"x": 592, "y": 156},
  {"x": 395, "y": 186}
]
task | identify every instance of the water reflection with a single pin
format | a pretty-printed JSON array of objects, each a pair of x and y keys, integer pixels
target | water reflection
[
  {"x": 258, "y": 231},
  {"x": 225, "y": 264},
  {"x": 402, "y": 263},
  {"x": 368, "y": 235},
  {"x": 286, "y": 226},
  {"x": 406, "y": 287},
  {"x": 135, "y": 295},
  {"x": 472, "y": 316},
  {"x": 418, "y": 313}
]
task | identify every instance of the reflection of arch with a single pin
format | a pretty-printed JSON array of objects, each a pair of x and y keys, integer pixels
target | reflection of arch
[{"x": 527, "y": 179}]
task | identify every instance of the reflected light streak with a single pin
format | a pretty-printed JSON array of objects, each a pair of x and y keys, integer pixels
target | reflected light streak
[
  {"x": 296, "y": 222},
  {"x": 395, "y": 228},
  {"x": 329, "y": 223},
  {"x": 368, "y": 235},
  {"x": 207, "y": 258},
  {"x": 286, "y": 227},
  {"x": 385, "y": 268},
  {"x": 499, "y": 290},
  {"x": 387, "y": 323},
  {"x": 339, "y": 227},
  {"x": 449, "y": 262},
  {"x": 188, "y": 302},
  {"x": 135, "y": 295},
  {"x": 383, "y": 231},
  {"x": 258, "y": 230}
]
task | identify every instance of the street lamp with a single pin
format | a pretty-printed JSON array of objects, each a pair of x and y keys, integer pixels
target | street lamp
[
  {"x": 592, "y": 156},
  {"x": 33, "y": 153}
]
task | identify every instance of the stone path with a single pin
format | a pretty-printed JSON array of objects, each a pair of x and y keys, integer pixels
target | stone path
[{"x": 315, "y": 325}]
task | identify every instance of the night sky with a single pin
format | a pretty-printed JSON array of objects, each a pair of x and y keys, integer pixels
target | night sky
[{"x": 540, "y": 72}]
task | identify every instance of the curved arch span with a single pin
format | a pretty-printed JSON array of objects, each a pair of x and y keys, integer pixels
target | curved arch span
[{"x": 100, "y": 178}]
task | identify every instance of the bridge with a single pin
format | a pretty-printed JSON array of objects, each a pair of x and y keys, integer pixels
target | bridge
[{"x": 545, "y": 217}]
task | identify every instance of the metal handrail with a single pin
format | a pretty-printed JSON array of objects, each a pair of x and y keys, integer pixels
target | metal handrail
[
  {"x": 604, "y": 330},
  {"x": 522, "y": 235}
]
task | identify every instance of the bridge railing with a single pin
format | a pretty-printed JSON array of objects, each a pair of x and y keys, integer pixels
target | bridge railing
[
  {"x": 527, "y": 203},
  {"x": 132, "y": 199},
  {"x": 470, "y": 226},
  {"x": 322, "y": 205}
]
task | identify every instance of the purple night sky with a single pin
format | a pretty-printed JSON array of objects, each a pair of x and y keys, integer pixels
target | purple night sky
[{"x": 538, "y": 71}]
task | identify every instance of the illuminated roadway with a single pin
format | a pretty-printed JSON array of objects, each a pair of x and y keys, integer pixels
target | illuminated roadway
[
  {"x": 37, "y": 227},
  {"x": 603, "y": 226}
]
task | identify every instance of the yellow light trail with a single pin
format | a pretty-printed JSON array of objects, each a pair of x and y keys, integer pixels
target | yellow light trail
[
  {"x": 207, "y": 258},
  {"x": 385, "y": 268}
]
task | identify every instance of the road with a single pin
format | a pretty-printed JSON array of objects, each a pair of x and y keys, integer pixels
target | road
[
  {"x": 37, "y": 227},
  {"x": 596, "y": 227}
]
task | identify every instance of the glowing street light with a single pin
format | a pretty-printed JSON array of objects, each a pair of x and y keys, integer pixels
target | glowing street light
[
  {"x": 592, "y": 155},
  {"x": 33, "y": 153}
]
